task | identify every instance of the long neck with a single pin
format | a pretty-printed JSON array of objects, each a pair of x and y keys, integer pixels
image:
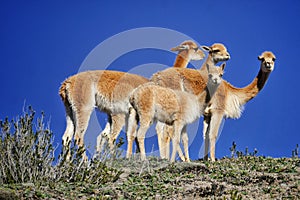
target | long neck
[
  {"x": 209, "y": 61},
  {"x": 247, "y": 93},
  {"x": 182, "y": 60}
]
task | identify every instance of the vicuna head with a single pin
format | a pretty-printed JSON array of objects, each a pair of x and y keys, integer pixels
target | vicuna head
[
  {"x": 215, "y": 74},
  {"x": 218, "y": 52},
  {"x": 189, "y": 50},
  {"x": 267, "y": 59}
]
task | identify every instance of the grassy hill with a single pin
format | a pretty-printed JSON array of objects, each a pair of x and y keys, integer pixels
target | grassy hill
[
  {"x": 29, "y": 170},
  {"x": 241, "y": 178}
]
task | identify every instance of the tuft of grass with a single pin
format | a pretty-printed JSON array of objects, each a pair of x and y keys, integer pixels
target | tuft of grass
[
  {"x": 295, "y": 152},
  {"x": 238, "y": 154}
]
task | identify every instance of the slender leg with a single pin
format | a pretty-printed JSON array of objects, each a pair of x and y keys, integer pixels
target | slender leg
[
  {"x": 165, "y": 152},
  {"x": 131, "y": 124},
  {"x": 168, "y": 134},
  {"x": 117, "y": 124},
  {"x": 159, "y": 131},
  {"x": 111, "y": 131},
  {"x": 185, "y": 141},
  {"x": 206, "y": 127},
  {"x": 141, "y": 138},
  {"x": 176, "y": 142},
  {"x": 82, "y": 120},
  {"x": 167, "y": 147},
  {"x": 69, "y": 132},
  {"x": 104, "y": 136},
  {"x": 216, "y": 120},
  {"x": 145, "y": 122}
]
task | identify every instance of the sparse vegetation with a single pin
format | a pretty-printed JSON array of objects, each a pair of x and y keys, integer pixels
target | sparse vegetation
[
  {"x": 26, "y": 150},
  {"x": 295, "y": 152},
  {"x": 29, "y": 170},
  {"x": 238, "y": 154}
]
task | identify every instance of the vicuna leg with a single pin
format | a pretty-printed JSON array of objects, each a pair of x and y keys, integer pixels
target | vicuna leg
[
  {"x": 168, "y": 134},
  {"x": 82, "y": 120},
  {"x": 131, "y": 130},
  {"x": 144, "y": 126},
  {"x": 69, "y": 132},
  {"x": 176, "y": 142},
  {"x": 185, "y": 141},
  {"x": 159, "y": 131},
  {"x": 166, "y": 139},
  {"x": 104, "y": 136},
  {"x": 111, "y": 131},
  {"x": 117, "y": 124},
  {"x": 206, "y": 127},
  {"x": 214, "y": 126},
  {"x": 163, "y": 135}
]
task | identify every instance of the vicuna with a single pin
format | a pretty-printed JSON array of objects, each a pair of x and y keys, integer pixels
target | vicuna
[{"x": 151, "y": 102}]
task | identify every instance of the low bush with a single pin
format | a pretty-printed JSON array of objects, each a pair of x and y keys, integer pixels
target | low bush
[{"x": 27, "y": 154}]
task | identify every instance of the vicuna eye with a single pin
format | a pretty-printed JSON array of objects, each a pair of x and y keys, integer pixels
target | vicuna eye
[
  {"x": 216, "y": 50},
  {"x": 209, "y": 75},
  {"x": 196, "y": 49},
  {"x": 273, "y": 59},
  {"x": 221, "y": 75}
]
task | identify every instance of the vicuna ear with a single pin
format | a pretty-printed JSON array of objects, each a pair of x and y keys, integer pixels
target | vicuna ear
[
  {"x": 206, "y": 48},
  {"x": 223, "y": 65},
  {"x": 180, "y": 48}
]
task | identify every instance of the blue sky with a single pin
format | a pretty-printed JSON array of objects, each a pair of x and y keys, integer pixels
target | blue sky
[{"x": 42, "y": 43}]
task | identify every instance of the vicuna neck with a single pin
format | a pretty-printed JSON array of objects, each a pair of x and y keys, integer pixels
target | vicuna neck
[
  {"x": 209, "y": 61},
  {"x": 250, "y": 91},
  {"x": 210, "y": 90},
  {"x": 182, "y": 60}
]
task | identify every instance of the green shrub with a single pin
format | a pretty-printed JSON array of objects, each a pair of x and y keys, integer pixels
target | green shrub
[
  {"x": 27, "y": 154},
  {"x": 26, "y": 150}
]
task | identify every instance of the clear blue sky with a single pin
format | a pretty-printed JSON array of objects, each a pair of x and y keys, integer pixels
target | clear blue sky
[{"x": 42, "y": 43}]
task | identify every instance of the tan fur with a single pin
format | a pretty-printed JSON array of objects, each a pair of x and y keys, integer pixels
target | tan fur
[
  {"x": 228, "y": 100},
  {"x": 152, "y": 102},
  {"x": 188, "y": 50},
  {"x": 242, "y": 95},
  {"x": 187, "y": 80},
  {"x": 106, "y": 90}
]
